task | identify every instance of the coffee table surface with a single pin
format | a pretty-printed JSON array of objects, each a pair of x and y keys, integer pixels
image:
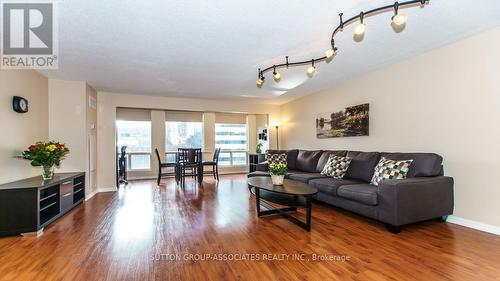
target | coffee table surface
[{"x": 289, "y": 187}]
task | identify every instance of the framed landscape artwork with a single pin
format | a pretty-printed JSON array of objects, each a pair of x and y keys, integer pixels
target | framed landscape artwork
[{"x": 350, "y": 122}]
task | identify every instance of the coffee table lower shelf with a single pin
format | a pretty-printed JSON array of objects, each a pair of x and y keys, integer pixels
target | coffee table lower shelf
[{"x": 292, "y": 203}]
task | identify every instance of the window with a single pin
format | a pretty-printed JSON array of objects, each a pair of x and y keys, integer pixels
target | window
[
  {"x": 232, "y": 140},
  {"x": 180, "y": 134},
  {"x": 136, "y": 135}
]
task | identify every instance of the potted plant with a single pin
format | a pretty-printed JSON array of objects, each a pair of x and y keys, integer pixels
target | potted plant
[
  {"x": 258, "y": 148},
  {"x": 47, "y": 155},
  {"x": 278, "y": 171}
]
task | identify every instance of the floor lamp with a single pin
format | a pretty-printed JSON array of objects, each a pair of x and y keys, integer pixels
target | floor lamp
[{"x": 276, "y": 125}]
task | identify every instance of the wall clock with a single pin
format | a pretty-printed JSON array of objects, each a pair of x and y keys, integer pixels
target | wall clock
[{"x": 20, "y": 104}]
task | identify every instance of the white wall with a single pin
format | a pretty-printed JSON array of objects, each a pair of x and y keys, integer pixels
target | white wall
[
  {"x": 67, "y": 121},
  {"x": 108, "y": 102},
  {"x": 70, "y": 120},
  {"x": 445, "y": 101},
  {"x": 21, "y": 130}
]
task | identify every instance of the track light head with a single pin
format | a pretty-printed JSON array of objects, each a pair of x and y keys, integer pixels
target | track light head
[
  {"x": 361, "y": 28},
  {"x": 398, "y": 19},
  {"x": 330, "y": 53},
  {"x": 311, "y": 69},
  {"x": 277, "y": 76},
  {"x": 259, "y": 82}
]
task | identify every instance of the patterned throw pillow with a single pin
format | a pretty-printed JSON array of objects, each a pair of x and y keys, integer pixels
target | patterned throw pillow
[
  {"x": 390, "y": 169},
  {"x": 276, "y": 158},
  {"x": 336, "y": 166}
]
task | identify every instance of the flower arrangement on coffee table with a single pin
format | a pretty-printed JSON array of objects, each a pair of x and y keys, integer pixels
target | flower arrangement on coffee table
[
  {"x": 47, "y": 155},
  {"x": 277, "y": 171}
]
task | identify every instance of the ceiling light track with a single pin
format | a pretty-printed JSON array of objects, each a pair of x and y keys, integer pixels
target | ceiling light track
[{"x": 359, "y": 30}]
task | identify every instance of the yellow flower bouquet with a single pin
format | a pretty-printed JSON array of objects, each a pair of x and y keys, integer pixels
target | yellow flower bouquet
[{"x": 47, "y": 155}]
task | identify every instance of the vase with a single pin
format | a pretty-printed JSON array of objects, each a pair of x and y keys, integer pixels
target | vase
[
  {"x": 277, "y": 179},
  {"x": 47, "y": 172}
]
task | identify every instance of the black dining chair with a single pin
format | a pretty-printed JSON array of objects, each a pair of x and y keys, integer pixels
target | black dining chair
[
  {"x": 189, "y": 163},
  {"x": 214, "y": 163},
  {"x": 162, "y": 165}
]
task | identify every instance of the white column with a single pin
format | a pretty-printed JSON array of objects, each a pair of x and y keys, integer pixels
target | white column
[
  {"x": 208, "y": 134},
  {"x": 157, "y": 139},
  {"x": 251, "y": 133}
]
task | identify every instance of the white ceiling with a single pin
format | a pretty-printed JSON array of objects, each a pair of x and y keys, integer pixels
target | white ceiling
[{"x": 212, "y": 48}]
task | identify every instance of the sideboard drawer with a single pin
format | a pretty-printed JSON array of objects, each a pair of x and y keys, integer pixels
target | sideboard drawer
[{"x": 66, "y": 193}]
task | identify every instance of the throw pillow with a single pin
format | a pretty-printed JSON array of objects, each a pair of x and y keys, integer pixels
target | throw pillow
[
  {"x": 276, "y": 158},
  {"x": 390, "y": 169},
  {"x": 336, "y": 166}
]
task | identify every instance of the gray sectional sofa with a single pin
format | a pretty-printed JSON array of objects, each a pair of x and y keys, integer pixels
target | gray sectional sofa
[{"x": 425, "y": 194}]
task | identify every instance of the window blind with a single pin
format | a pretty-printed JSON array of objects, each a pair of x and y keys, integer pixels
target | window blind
[
  {"x": 130, "y": 114},
  {"x": 183, "y": 116},
  {"x": 230, "y": 118}
]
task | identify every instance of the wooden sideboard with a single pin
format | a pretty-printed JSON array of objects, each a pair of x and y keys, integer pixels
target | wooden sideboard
[{"x": 27, "y": 206}]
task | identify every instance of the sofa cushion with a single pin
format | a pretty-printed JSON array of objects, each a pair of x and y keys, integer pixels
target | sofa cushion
[
  {"x": 291, "y": 156},
  {"x": 258, "y": 174},
  {"x": 308, "y": 160},
  {"x": 329, "y": 185},
  {"x": 423, "y": 165},
  {"x": 305, "y": 177},
  {"x": 292, "y": 172},
  {"x": 324, "y": 158},
  {"x": 388, "y": 169},
  {"x": 362, "y": 193},
  {"x": 362, "y": 165}
]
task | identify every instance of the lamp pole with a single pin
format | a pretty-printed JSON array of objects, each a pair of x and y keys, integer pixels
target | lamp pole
[
  {"x": 277, "y": 124},
  {"x": 277, "y": 138}
]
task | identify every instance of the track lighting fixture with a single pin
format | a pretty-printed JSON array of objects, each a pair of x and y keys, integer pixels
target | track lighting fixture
[
  {"x": 361, "y": 28},
  {"x": 397, "y": 19},
  {"x": 260, "y": 79},
  {"x": 260, "y": 82},
  {"x": 276, "y": 75},
  {"x": 330, "y": 53},
  {"x": 311, "y": 69}
]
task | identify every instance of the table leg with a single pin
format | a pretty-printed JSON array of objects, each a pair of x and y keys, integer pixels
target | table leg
[
  {"x": 308, "y": 212},
  {"x": 200, "y": 173},
  {"x": 257, "y": 200}
]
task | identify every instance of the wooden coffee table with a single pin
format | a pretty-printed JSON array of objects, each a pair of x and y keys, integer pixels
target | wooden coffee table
[{"x": 291, "y": 194}]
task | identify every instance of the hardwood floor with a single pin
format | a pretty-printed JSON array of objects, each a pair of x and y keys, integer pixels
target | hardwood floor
[{"x": 128, "y": 235}]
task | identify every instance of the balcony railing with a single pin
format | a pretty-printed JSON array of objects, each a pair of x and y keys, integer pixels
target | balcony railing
[
  {"x": 233, "y": 158},
  {"x": 137, "y": 161}
]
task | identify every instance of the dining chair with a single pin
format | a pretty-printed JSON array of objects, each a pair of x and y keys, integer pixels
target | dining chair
[
  {"x": 214, "y": 163},
  {"x": 162, "y": 165},
  {"x": 189, "y": 163}
]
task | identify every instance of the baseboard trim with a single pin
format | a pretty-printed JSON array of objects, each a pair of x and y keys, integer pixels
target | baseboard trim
[
  {"x": 107, "y": 189},
  {"x": 92, "y": 194},
  {"x": 474, "y": 224}
]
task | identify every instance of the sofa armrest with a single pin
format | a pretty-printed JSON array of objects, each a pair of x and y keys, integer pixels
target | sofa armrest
[
  {"x": 415, "y": 199},
  {"x": 262, "y": 166}
]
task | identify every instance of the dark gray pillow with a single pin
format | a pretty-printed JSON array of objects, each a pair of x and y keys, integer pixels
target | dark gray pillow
[
  {"x": 423, "y": 165},
  {"x": 362, "y": 165},
  {"x": 308, "y": 160}
]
